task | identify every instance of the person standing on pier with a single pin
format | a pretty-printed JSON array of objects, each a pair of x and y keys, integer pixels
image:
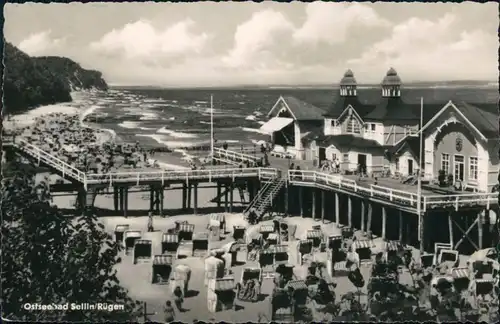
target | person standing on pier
[{"x": 337, "y": 165}]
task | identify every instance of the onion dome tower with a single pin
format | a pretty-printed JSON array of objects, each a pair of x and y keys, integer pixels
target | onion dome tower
[
  {"x": 391, "y": 85},
  {"x": 348, "y": 85}
]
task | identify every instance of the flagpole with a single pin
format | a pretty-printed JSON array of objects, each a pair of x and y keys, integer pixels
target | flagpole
[
  {"x": 212, "y": 125},
  {"x": 419, "y": 180}
]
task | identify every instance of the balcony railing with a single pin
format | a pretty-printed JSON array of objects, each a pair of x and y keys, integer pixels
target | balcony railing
[{"x": 400, "y": 197}]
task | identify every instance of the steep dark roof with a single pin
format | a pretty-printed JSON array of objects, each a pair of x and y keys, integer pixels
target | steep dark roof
[
  {"x": 482, "y": 118},
  {"x": 312, "y": 135},
  {"x": 303, "y": 110},
  {"x": 339, "y": 105},
  {"x": 412, "y": 142},
  {"x": 392, "y": 109},
  {"x": 347, "y": 140},
  {"x": 396, "y": 110}
]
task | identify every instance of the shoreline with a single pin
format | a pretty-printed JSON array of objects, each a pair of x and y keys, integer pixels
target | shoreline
[{"x": 31, "y": 121}]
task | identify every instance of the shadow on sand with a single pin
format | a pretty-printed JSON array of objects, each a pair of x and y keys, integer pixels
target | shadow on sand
[
  {"x": 262, "y": 297},
  {"x": 104, "y": 212},
  {"x": 192, "y": 293}
]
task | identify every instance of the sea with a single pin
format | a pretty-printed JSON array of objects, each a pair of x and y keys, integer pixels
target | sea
[{"x": 180, "y": 118}]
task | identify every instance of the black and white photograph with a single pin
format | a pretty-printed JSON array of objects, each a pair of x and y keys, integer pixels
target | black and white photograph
[{"x": 250, "y": 162}]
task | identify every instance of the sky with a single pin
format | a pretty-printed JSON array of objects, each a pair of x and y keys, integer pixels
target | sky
[{"x": 229, "y": 43}]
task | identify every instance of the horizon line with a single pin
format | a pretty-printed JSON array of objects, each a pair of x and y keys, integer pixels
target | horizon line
[{"x": 117, "y": 85}]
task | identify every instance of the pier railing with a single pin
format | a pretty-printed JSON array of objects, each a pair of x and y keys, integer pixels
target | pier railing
[
  {"x": 234, "y": 156},
  {"x": 182, "y": 175},
  {"x": 141, "y": 177},
  {"x": 459, "y": 200},
  {"x": 50, "y": 160},
  {"x": 401, "y": 197},
  {"x": 393, "y": 195}
]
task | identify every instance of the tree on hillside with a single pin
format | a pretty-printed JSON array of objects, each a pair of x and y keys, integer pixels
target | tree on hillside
[{"x": 51, "y": 259}]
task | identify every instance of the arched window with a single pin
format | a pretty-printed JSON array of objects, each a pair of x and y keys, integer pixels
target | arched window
[{"x": 353, "y": 126}]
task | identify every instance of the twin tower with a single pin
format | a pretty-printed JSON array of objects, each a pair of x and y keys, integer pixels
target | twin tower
[{"x": 391, "y": 85}]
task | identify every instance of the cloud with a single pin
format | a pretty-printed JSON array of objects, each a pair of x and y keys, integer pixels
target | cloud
[
  {"x": 141, "y": 40},
  {"x": 270, "y": 40},
  {"x": 434, "y": 50},
  {"x": 331, "y": 22},
  {"x": 257, "y": 40},
  {"x": 40, "y": 43}
]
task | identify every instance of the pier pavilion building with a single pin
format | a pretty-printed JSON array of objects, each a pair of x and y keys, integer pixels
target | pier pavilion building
[{"x": 460, "y": 139}]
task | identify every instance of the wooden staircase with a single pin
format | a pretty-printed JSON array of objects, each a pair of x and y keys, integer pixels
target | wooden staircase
[{"x": 263, "y": 202}]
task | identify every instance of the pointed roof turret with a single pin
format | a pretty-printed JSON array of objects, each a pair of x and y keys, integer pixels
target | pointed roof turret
[
  {"x": 391, "y": 78},
  {"x": 348, "y": 79}
]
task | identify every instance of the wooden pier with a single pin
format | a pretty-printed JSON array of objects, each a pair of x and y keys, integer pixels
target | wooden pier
[
  {"x": 392, "y": 214},
  {"x": 384, "y": 211}
]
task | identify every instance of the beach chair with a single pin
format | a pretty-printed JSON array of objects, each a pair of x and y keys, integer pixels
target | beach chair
[
  {"x": 316, "y": 236},
  {"x": 364, "y": 250}
]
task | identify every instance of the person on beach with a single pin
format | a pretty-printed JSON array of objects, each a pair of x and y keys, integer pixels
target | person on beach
[
  {"x": 150, "y": 222},
  {"x": 169, "y": 312},
  {"x": 178, "y": 298}
]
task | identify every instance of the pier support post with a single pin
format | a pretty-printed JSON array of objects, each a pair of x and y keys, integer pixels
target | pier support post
[
  {"x": 120, "y": 193},
  {"x": 287, "y": 189},
  {"x": 115, "y": 198},
  {"x": 255, "y": 189},
  {"x": 301, "y": 202},
  {"x": 195, "y": 198},
  {"x": 313, "y": 204},
  {"x": 401, "y": 225},
  {"x": 370, "y": 215},
  {"x": 189, "y": 195},
  {"x": 81, "y": 201},
  {"x": 337, "y": 209},
  {"x": 157, "y": 201},
  {"x": 384, "y": 221},
  {"x": 421, "y": 220},
  {"x": 450, "y": 227},
  {"x": 151, "y": 199},
  {"x": 323, "y": 204},
  {"x": 480, "y": 224},
  {"x": 349, "y": 211},
  {"x": 184, "y": 195},
  {"x": 363, "y": 211},
  {"x": 162, "y": 200},
  {"x": 226, "y": 199},
  {"x": 125, "y": 201},
  {"x": 231, "y": 196},
  {"x": 219, "y": 194}
]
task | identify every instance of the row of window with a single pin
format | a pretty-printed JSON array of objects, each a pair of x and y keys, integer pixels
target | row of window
[
  {"x": 458, "y": 162},
  {"x": 354, "y": 127},
  {"x": 345, "y": 157},
  {"x": 459, "y": 166}
]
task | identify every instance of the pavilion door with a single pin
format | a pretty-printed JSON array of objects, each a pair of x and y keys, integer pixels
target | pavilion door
[
  {"x": 322, "y": 155},
  {"x": 459, "y": 168},
  {"x": 410, "y": 166}
]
